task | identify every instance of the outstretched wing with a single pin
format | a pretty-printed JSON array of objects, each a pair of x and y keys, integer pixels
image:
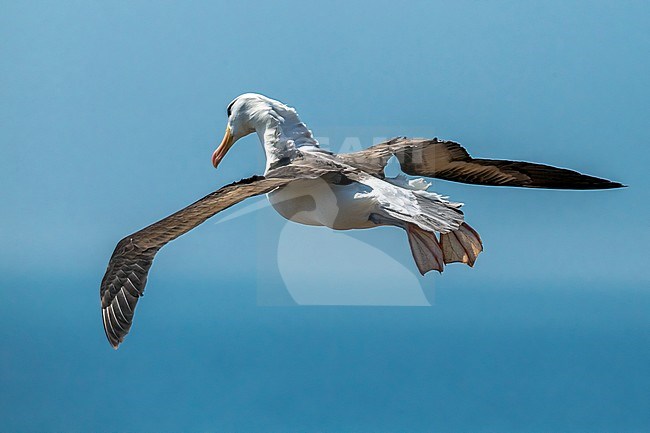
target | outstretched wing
[
  {"x": 126, "y": 275},
  {"x": 450, "y": 161}
]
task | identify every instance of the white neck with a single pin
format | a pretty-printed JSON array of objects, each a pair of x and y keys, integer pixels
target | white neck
[{"x": 280, "y": 131}]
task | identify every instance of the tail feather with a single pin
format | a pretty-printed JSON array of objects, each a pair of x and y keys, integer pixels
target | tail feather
[
  {"x": 426, "y": 250},
  {"x": 462, "y": 245}
]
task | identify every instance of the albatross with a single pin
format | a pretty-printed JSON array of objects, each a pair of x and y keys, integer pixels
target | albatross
[{"x": 311, "y": 185}]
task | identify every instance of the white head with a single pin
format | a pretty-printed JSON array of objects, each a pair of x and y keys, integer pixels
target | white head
[
  {"x": 247, "y": 113},
  {"x": 278, "y": 126}
]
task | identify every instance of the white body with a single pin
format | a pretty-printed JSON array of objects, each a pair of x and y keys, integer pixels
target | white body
[{"x": 318, "y": 203}]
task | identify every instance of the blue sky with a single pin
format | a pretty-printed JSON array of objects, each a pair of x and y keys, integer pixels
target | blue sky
[{"x": 109, "y": 115}]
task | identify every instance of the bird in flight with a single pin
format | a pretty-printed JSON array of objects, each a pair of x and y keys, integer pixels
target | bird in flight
[{"x": 310, "y": 185}]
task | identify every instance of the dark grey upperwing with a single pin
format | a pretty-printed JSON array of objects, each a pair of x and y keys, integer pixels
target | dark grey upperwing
[
  {"x": 450, "y": 161},
  {"x": 126, "y": 274}
]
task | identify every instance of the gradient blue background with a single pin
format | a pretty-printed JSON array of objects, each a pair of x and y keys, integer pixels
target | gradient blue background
[{"x": 109, "y": 112}]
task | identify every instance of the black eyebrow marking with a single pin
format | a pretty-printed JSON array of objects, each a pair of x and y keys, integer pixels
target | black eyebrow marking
[{"x": 229, "y": 110}]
